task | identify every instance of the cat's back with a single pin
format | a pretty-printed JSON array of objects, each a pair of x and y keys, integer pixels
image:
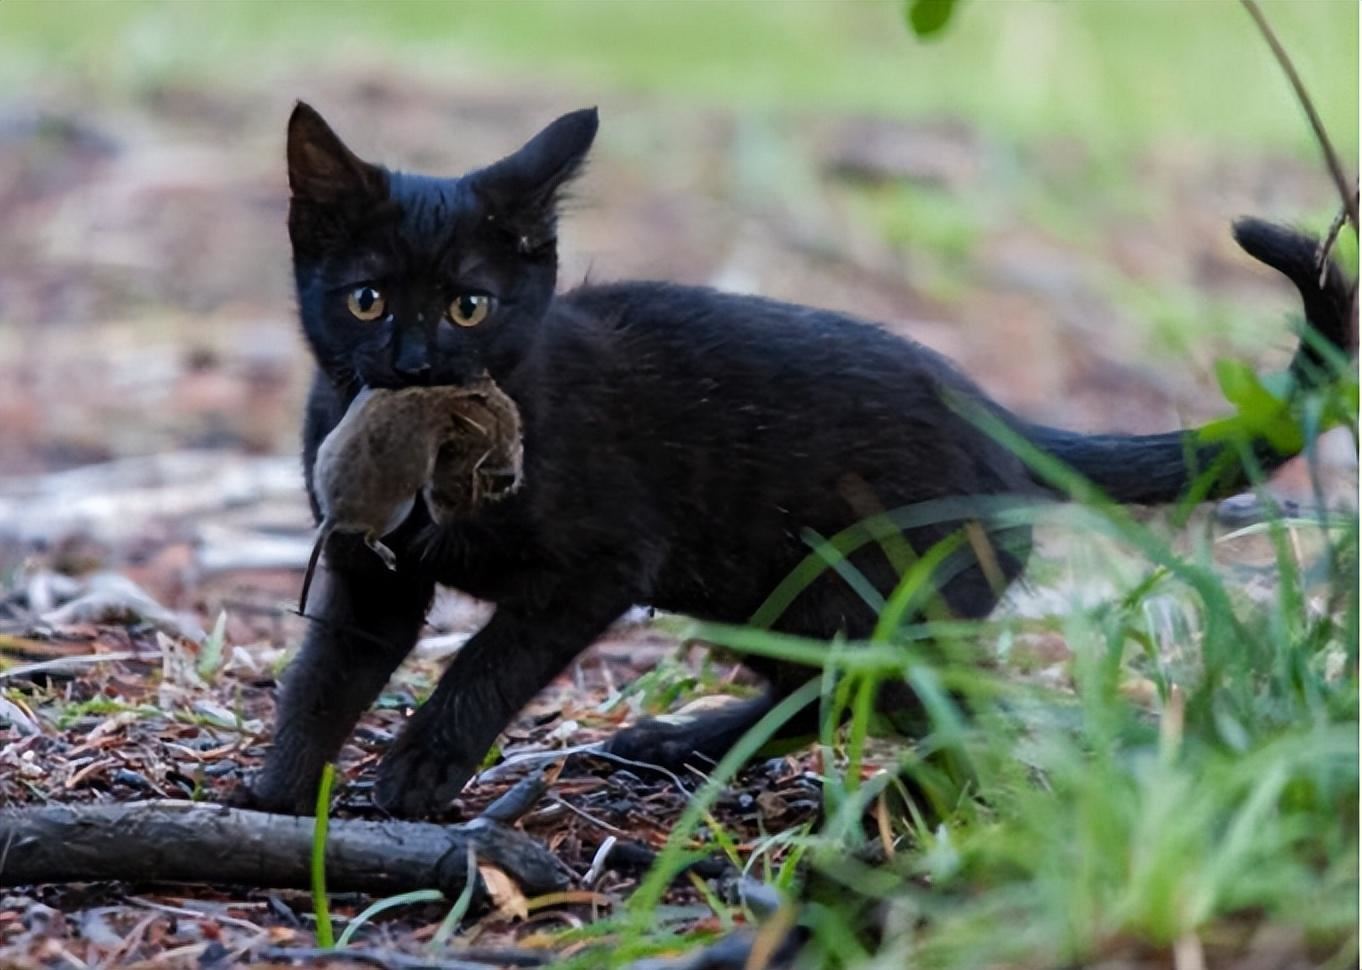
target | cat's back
[
  {"x": 763, "y": 409},
  {"x": 732, "y": 337}
]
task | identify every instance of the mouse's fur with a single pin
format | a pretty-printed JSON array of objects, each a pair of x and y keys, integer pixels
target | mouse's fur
[
  {"x": 484, "y": 463},
  {"x": 443, "y": 443}
]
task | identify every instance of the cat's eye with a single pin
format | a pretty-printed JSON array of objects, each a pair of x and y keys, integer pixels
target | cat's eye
[
  {"x": 469, "y": 309},
  {"x": 365, "y": 303}
]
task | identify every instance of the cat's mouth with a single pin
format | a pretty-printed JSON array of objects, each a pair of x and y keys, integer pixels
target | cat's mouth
[{"x": 396, "y": 381}]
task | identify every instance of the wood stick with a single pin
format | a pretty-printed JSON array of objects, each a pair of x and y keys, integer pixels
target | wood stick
[
  {"x": 1346, "y": 194},
  {"x": 169, "y": 841},
  {"x": 394, "y": 960}
]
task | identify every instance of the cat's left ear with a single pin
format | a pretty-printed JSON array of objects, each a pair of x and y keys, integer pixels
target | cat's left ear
[
  {"x": 523, "y": 190},
  {"x": 321, "y": 168}
]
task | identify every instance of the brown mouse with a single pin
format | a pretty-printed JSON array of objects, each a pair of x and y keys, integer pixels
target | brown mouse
[
  {"x": 480, "y": 462},
  {"x": 460, "y": 445}
]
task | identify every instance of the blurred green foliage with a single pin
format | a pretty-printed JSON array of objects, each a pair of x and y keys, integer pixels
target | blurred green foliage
[
  {"x": 927, "y": 18},
  {"x": 1111, "y": 74}
]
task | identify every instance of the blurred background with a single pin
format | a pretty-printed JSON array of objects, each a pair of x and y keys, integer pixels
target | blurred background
[{"x": 1043, "y": 192}]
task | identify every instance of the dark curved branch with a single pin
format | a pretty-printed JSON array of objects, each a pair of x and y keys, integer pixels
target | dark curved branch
[{"x": 190, "y": 842}]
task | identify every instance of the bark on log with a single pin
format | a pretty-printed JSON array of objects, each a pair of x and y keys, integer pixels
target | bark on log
[{"x": 169, "y": 841}]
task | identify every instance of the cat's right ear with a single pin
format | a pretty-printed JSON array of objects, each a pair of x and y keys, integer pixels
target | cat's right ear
[
  {"x": 320, "y": 168},
  {"x": 523, "y": 190}
]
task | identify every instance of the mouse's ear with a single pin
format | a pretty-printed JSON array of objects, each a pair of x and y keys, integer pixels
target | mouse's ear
[
  {"x": 320, "y": 166},
  {"x": 524, "y": 189}
]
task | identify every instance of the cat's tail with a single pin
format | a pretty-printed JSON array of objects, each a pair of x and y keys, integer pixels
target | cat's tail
[{"x": 1152, "y": 469}]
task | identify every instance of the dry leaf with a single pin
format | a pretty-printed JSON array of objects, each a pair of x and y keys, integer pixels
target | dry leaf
[
  {"x": 178, "y": 669},
  {"x": 570, "y": 897},
  {"x": 510, "y": 902},
  {"x": 773, "y": 807}
]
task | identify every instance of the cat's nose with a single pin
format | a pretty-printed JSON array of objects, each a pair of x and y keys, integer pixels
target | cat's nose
[{"x": 411, "y": 360}]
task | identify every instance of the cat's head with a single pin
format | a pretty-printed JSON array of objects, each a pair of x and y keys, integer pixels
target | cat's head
[{"x": 408, "y": 279}]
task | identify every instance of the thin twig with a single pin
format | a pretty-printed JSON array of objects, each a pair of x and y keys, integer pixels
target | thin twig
[
  {"x": 130, "y": 942},
  {"x": 194, "y": 913},
  {"x": 618, "y": 759},
  {"x": 599, "y": 823},
  {"x": 1326, "y": 244},
  {"x": 1349, "y": 197},
  {"x": 535, "y": 758},
  {"x": 54, "y": 666}
]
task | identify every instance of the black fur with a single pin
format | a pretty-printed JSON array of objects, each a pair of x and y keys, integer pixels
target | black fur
[{"x": 678, "y": 442}]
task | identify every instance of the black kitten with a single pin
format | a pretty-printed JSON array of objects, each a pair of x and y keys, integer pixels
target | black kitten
[{"x": 678, "y": 442}]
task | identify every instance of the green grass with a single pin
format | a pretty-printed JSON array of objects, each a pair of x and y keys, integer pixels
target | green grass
[
  {"x": 321, "y": 908},
  {"x": 1069, "y": 826},
  {"x": 1111, "y": 75},
  {"x": 380, "y": 906}
]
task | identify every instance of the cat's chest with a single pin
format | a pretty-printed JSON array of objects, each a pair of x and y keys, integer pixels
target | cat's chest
[{"x": 483, "y": 554}]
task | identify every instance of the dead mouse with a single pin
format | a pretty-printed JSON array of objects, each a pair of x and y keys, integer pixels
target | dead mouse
[
  {"x": 481, "y": 461},
  {"x": 392, "y": 445}
]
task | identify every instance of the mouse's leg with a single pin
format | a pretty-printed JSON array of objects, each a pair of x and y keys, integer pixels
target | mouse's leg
[
  {"x": 529, "y": 641},
  {"x": 371, "y": 540},
  {"x": 368, "y": 619}
]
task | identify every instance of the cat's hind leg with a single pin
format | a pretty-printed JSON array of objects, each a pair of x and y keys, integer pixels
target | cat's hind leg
[
  {"x": 700, "y": 738},
  {"x": 826, "y": 609}
]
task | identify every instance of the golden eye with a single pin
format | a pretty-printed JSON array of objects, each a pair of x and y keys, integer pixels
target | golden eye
[
  {"x": 365, "y": 303},
  {"x": 469, "y": 309}
]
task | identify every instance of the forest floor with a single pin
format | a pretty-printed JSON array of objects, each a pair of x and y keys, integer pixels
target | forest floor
[{"x": 151, "y": 380}]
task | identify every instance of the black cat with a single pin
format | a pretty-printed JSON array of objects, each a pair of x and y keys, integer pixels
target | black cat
[{"x": 677, "y": 443}]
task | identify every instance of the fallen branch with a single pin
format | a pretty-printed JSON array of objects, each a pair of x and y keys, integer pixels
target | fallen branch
[
  {"x": 187, "y": 842},
  {"x": 472, "y": 959},
  {"x": 519, "y": 798}
]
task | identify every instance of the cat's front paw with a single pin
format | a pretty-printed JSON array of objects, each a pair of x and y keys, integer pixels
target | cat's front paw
[
  {"x": 243, "y": 796},
  {"x": 265, "y": 793},
  {"x": 415, "y": 781}
]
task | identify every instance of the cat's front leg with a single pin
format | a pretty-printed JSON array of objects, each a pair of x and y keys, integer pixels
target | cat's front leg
[
  {"x": 367, "y": 620},
  {"x": 527, "y": 642}
]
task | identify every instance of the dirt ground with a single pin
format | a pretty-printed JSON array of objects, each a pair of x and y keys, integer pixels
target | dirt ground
[{"x": 150, "y": 384}]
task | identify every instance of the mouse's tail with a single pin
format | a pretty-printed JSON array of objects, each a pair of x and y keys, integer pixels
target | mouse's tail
[
  {"x": 312, "y": 561},
  {"x": 1157, "y": 468}
]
